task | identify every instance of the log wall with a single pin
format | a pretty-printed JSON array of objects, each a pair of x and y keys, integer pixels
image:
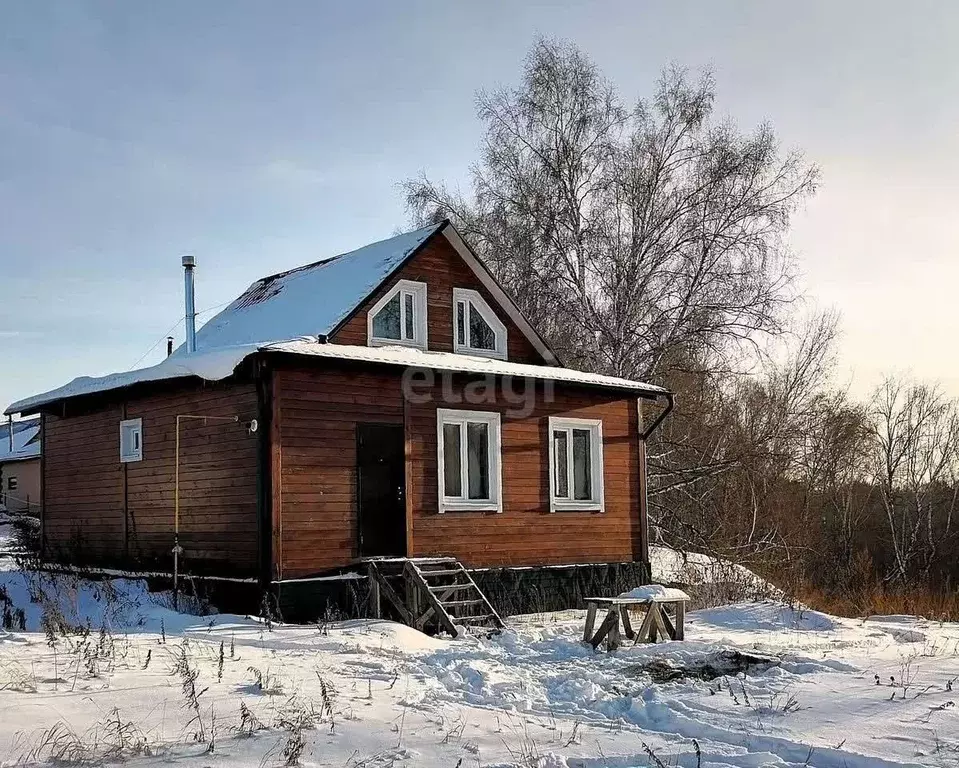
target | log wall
[
  {"x": 99, "y": 510},
  {"x": 316, "y": 411},
  {"x": 315, "y": 509}
]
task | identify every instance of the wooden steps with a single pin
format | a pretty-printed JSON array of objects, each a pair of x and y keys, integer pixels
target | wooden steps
[{"x": 435, "y": 594}]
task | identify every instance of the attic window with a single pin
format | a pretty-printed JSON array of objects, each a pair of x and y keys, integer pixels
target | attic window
[
  {"x": 476, "y": 328},
  {"x": 399, "y": 317},
  {"x": 131, "y": 440}
]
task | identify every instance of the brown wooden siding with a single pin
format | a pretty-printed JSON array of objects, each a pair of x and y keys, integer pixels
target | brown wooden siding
[
  {"x": 441, "y": 268},
  {"x": 83, "y": 486},
  {"x": 317, "y": 410},
  {"x": 314, "y": 471},
  {"x": 525, "y": 532},
  {"x": 218, "y": 506},
  {"x": 117, "y": 513}
]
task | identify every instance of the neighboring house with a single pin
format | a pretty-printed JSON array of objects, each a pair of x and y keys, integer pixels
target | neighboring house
[
  {"x": 391, "y": 401},
  {"x": 20, "y": 466}
]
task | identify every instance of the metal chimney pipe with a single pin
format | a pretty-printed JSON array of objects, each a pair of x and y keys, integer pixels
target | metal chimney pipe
[
  {"x": 189, "y": 263},
  {"x": 169, "y": 346}
]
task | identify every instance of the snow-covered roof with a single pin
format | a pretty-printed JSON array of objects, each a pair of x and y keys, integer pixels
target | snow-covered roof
[
  {"x": 306, "y": 304},
  {"x": 410, "y": 357},
  {"x": 26, "y": 444},
  {"x": 310, "y": 300},
  {"x": 212, "y": 365},
  {"x": 215, "y": 364}
]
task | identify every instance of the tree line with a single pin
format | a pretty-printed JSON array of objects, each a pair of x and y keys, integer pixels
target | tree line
[{"x": 649, "y": 240}]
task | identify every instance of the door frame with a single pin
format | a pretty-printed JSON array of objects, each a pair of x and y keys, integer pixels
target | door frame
[{"x": 401, "y": 427}]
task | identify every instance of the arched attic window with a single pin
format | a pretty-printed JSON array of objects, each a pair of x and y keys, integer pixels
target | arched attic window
[
  {"x": 476, "y": 328},
  {"x": 399, "y": 317}
]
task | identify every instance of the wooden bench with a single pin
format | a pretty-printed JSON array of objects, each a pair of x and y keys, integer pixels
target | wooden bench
[{"x": 656, "y": 621}]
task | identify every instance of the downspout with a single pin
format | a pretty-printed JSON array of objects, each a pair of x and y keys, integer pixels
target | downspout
[
  {"x": 177, "y": 549},
  {"x": 263, "y": 378},
  {"x": 644, "y": 476},
  {"x": 670, "y": 402}
]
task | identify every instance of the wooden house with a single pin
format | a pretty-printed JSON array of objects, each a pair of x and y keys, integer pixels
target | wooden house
[
  {"x": 20, "y": 466},
  {"x": 391, "y": 402}
]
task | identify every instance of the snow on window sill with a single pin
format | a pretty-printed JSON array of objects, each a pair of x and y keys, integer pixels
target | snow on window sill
[
  {"x": 494, "y": 354},
  {"x": 377, "y": 342},
  {"x": 465, "y": 506},
  {"x": 562, "y": 505}
]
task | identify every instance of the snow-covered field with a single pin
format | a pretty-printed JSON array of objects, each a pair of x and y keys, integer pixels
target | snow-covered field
[{"x": 754, "y": 684}]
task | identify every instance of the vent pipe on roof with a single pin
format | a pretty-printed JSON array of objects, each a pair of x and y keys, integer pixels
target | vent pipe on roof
[
  {"x": 169, "y": 346},
  {"x": 189, "y": 263}
]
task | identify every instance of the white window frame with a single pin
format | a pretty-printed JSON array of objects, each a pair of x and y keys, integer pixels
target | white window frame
[
  {"x": 463, "y": 504},
  {"x": 475, "y": 302},
  {"x": 418, "y": 291},
  {"x": 131, "y": 430},
  {"x": 595, "y": 427}
]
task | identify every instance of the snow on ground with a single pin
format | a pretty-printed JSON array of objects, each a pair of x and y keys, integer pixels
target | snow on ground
[
  {"x": 755, "y": 684},
  {"x": 708, "y": 579},
  {"x": 655, "y": 592},
  {"x": 9, "y": 541}
]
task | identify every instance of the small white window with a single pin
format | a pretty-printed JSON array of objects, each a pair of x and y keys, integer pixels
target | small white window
[
  {"x": 11, "y": 483},
  {"x": 399, "y": 317},
  {"x": 468, "y": 462},
  {"x": 476, "y": 328},
  {"x": 576, "y": 464},
  {"x": 131, "y": 440}
]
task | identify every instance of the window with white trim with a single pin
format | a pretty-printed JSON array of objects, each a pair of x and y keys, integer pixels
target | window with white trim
[
  {"x": 469, "y": 460},
  {"x": 12, "y": 483},
  {"x": 131, "y": 440},
  {"x": 476, "y": 328},
  {"x": 399, "y": 317},
  {"x": 576, "y": 464}
]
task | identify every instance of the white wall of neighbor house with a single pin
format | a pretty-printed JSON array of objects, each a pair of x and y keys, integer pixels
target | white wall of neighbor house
[{"x": 20, "y": 489}]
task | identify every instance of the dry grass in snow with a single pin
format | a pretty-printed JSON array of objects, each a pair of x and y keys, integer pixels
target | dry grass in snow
[{"x": 105, "y": 675}]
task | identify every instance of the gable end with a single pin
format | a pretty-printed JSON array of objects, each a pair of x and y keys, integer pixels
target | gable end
[{"x": 426, "y": 264}]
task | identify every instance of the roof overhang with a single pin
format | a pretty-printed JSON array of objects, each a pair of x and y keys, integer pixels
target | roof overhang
[
  {"x": 211, "y": 365},
  {"x": 218, "y": 364},
  {"x": 13, "y": 459},
  {"x": 410, "y": 357}
]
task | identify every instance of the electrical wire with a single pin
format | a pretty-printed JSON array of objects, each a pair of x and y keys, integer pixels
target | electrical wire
[
  {"x": 157, "y": 343},
  {"x": 210, "y": 309},
  {"x": 172, "y": 329}
]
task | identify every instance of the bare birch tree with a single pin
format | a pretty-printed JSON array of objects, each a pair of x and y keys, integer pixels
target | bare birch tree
[
  {"x": 647, "y": 240},
  {"x": 637, "y": 238},
  {"x": 916, "y": 455},
  {"x": 736, "y": 446}
]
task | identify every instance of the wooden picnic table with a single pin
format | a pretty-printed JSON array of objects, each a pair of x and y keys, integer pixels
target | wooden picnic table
[{"x": 656, "y": 621}]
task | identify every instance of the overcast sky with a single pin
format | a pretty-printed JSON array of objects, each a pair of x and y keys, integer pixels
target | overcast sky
[{"x": 259, "y": 136}]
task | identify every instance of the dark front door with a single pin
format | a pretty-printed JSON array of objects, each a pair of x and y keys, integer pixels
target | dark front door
[{"x": 381, "y": 489}]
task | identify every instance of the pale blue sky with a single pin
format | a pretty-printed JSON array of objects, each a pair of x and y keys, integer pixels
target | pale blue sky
[{"x": 259, "y": 136}]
